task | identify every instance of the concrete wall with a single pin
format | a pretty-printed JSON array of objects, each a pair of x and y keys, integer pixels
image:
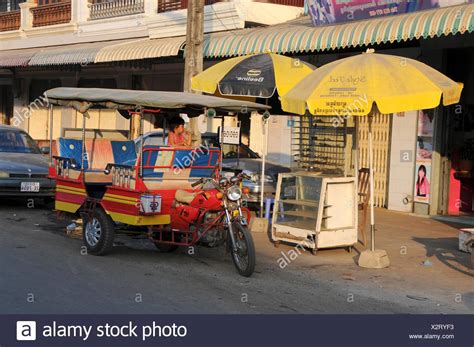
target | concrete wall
[
  {"x": 221, "y": 16},
  {"x": 256, "y": 133},
  {"x": 279, "y": 140},
  {"x": 402, "y": 161},
  {"x": 37, "y": 121}
]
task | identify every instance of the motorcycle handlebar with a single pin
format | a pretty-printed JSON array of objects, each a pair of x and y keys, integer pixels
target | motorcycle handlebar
[
  {"x": 202, "y": 180},
  {"x": 198, "y": 182},
  {"x": 245, "y": 176}
]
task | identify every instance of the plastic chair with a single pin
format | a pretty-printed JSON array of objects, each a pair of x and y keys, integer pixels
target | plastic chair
[{"x": 268, "y": 204}]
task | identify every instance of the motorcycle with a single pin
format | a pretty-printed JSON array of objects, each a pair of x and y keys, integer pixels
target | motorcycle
[{"x": 210, "y": 216}]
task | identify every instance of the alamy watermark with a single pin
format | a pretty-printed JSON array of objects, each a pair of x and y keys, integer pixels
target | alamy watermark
[
  {"x": 347, "y": 110},
  {"x": 26, "y": 112}
]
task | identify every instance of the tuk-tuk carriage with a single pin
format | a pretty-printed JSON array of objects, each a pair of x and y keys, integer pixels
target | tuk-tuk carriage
[{"x": 175, "y": 195}]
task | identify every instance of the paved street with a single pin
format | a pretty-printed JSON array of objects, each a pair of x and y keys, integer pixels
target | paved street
[{"x": 42, "y": 270}]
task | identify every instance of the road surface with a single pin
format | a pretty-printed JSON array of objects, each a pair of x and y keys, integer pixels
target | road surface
[{"x": 42, "y": 270}]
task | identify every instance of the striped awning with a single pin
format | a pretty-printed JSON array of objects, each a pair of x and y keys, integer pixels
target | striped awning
[
  {"x": 16, "y": 58},
  {"x": 95, "y": 52},
  {"x": 301, "y": 36},
  {"x": 141, "y": 49},
  {"x": 82, "y": 54}
]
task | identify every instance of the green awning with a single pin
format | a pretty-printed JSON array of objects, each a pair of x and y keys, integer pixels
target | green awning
[{"x": 301, "y": 36}]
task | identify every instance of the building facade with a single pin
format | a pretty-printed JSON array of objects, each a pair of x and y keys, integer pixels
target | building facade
[
  {"x": 130, "y": 44},
  {"x": 432, "y": 146}
]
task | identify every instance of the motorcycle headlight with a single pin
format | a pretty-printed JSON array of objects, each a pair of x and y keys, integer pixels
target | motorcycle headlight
[
  {"x": 4, "y": 174},
  {"x": 234, "y": 193}
]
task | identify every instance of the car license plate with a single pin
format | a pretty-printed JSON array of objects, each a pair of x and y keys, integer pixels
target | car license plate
[{"x": 31, "y": 187}]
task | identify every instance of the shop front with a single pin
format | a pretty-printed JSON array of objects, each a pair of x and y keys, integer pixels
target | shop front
[
  {"x": 6, "y": 96},
  {"x": 423, "y": 157},
  {"x": 460, "y": 135}
]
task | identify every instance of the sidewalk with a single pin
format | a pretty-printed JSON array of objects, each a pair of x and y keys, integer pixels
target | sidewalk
[{"x": 427, "y": 270}]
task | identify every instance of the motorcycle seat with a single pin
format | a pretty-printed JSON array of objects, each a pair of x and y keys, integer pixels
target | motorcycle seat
[{"x": 184, "y": 196}]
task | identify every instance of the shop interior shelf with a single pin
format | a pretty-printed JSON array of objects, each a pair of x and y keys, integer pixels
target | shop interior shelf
[
  {"x": 306, "y": 224},
  {"x": 311, "y": 203},
  {"x": 300, "y": 213}
]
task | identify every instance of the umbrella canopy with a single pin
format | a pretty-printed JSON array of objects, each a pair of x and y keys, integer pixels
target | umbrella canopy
[
  {"x": 257, "y": 75},
  {"x": 350, "y": 87}
]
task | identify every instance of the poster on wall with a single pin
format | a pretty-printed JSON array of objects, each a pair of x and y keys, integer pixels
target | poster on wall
[
  {"x": 424, "y": 155},
  {"x": 325, "y": 12},
  {"x": 422, "y": 182}
]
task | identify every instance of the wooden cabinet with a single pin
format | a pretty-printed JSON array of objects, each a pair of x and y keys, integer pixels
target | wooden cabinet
[{"x": 316, "y": 211}]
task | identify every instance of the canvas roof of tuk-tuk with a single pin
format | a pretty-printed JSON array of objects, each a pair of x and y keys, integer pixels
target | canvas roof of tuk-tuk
[{"x": 83, "y": 99}]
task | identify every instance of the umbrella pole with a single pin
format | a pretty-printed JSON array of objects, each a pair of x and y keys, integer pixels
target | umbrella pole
[
  {"x": 371, "y": 178},
  {"x": 264, "y": 154},
  {"x": 51, "y": 134},
  {"x": 373, "y": 258},
  {"x": 221, "y": 140}
]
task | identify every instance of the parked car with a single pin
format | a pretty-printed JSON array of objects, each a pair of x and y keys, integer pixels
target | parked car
[
  {"x": 237, "y": 158},
  {"x": 152, "y": 138},
  {"x": 23, "y": 166},
  {"x": 240, "y": 158}
]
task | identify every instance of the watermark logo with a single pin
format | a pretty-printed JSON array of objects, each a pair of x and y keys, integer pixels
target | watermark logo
[
  {"x": 344, "y": 110},
  {"x": 26, "y": 112},
  {"x": 406, "y": 156},
  {"x": 26, "y": 331}
]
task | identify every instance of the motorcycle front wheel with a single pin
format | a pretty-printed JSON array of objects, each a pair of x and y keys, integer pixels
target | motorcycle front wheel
[{"x": 244, "y": 256}]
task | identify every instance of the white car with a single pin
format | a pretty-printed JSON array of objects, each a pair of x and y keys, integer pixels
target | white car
[{"x": 23, "y": 167}]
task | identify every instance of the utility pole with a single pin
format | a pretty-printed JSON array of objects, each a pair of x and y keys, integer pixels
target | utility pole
[{"x": 193, "y": 63}]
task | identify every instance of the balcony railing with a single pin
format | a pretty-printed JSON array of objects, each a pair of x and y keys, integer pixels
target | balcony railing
[
  {"x": 295, "y": 3},
  {"x": 116, "y": 8},
  {"x": 173, "y": 5},
  {"x": 52, "y": 14},
  {"x": 10, "y": 20},
  {"x": 60, "y": 12}
]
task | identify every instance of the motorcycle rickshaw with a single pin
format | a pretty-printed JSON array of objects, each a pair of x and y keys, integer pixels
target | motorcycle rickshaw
[{"x": 175, "y": 195}]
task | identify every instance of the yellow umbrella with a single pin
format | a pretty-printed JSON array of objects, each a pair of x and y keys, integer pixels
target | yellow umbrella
[
  {"x": 350, "y": 86},
  {"x": 357, "y": 85},
  {"x": 256, "y": 75}
]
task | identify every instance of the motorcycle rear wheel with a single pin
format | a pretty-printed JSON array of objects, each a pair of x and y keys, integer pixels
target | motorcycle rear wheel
[{"x": 244, "y": 257}]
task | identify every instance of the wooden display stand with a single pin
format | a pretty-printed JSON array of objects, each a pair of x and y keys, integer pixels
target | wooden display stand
[{"x": 315, "y": 211}]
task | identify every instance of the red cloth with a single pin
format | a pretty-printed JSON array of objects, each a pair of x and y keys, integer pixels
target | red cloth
[
  {"x": 174, "y": 139},
  {"x": 423, "y": 188}
]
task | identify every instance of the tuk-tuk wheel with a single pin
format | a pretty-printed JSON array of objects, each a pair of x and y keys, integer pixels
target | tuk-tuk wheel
[{"x": 98, "y": 232}]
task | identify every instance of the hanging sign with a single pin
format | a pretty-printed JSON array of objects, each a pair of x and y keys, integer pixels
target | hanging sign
[
  {"x": 231, "y": 135},
  {"x": 327, "y": 12}
]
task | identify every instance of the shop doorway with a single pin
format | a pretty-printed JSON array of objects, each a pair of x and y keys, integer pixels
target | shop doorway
[{"x": 460, "y": 135}]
